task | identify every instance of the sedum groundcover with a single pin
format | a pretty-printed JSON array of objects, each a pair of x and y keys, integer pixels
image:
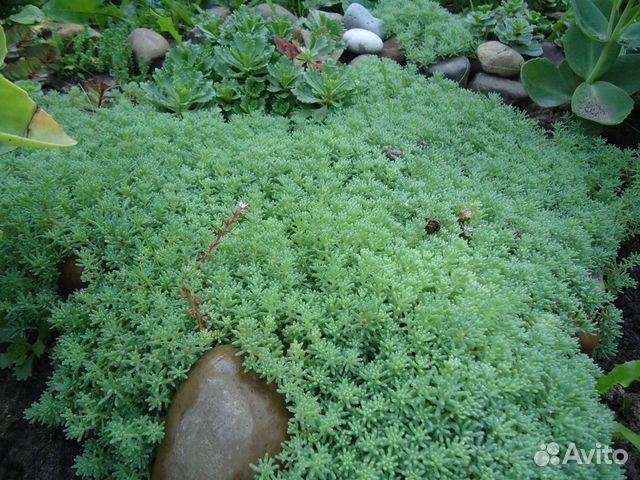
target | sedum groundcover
[{"x": 402, "y": 355}]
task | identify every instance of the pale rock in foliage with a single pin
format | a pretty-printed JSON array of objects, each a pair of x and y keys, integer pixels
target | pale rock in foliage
[
  {"x": 148, "y": 45},
  {"x": 362, "y": 41},
  {"x": 499, "y": 59}
]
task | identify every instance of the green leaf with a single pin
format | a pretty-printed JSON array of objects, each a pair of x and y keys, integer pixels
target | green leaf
[
  {"x": 625, "y": 73},
  {"x": 78, "y": 11},
  {"x": 26, "y": 125},
  {"x": 3, "y": 45},
  {"x": 571, "y": 78},
  {"x": 545, "y": 84},
  {"x": 623, "y": 433},
  {"x": 28, "y": 16},
  {"x": 631, "y": 36},
  {"x": 166, "y": 25},
  {"x": 583, "y": 52},
  {"x": 601, "y": 102},
  {"x": 623, "y": 374},
  {"x": 38, "y": 347},
  {"x": 591, "y": 20},
  {"x": 23, "y": 370}
]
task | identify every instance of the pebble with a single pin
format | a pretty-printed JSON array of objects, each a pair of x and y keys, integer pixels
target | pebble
[
  {"x": 511, "y": 91},
  {"x": 221, "y": 421},
  {"x": 148, "y": 45},
  {"x": 362, "y": 41},
  {"x": 357, "y": 16},
  {"x": 456, "y": 69},
  {"x": 499, "y": 59}
]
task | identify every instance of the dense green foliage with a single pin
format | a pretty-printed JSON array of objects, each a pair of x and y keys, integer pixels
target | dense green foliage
[
  {"x": 425, "y": 30},
  {"x": 402, "y": 354}
]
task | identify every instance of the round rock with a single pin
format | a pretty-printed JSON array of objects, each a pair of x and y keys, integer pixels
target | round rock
[
  {"x": 148, "y": 45},
  {"x": 221, "y": 421},
  {"x": 362, "y": 41},
  {"x": 511, "y": 91},
  {"x": 218, "y": 11},
  {"x": 500, "y": 59},
  {"x": 321, "y": 13},
  {"x": 70, "y": 278},
  {"x": 456, "y": 69},
  {"x": 266, "y": 10},
  {"x": 357, "y": 16}
]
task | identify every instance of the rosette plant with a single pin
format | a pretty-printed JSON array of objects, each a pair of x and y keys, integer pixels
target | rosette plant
[{"x": 598, "y": 77}]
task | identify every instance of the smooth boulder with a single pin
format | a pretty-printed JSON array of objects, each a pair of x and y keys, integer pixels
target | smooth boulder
[
  {"x": 456, "y": 69},
  {"x": 362, "y": 41},
  {"x": 148, "y": 46},
  {"x": 357, "y": 16},
  {"x": 511, "y": 91},
  {"x": 267, "y": 10},
  {"x": 221, "y": 421},
  {"x": 499, "y": 59}
]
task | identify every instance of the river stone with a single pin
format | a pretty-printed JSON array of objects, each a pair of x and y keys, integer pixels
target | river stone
[
  {"x": 266, "y": 11},
  {"x": 70, "y": 279},
  {"x": 362, "y": 41},
  {"x": 69, "y": 30},
  {"x": 221, "y": 421},
  {"x": 391, "y": 49},
  {"x": 361, "y": 58},
  {"x": 500, "y": 59},
  {"x": 332, "y": 15},
  {"x": 511, "y": 91},
  {"x": 148, "y": 45},
  {"x": 357, "y": 16},
  {"x": 218, "y": 11},
  {"x": 456, "y": 69}
]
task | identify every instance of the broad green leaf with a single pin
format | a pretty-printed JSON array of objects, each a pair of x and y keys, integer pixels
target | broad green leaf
[
  {"x": 26, "y": 125},
  {"x": 631, "y": 37},
  {"x": 591, "y": 20},
  {"x": 583, "y": 52},
  {"x": 571, "y": 78},
  {"x": 29, "y": 15},
  {"x": 166, "y": 25},
  {"x": 545, "y": 84},
  {"x": 22, "y": 371},
  {"x": 623, "y": 433},
  {"x": 623, "y": 374},
  {"x": 601, "y": 102},
  {"x": 3, "y": 45},
  {"x": 625, "y": 73},
  {"x": 605, "y": 6},
  {"x": 78, "y": 11}
]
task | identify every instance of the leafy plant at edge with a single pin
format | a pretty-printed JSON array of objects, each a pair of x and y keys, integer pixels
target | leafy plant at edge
[{"x": 597, "y": 78}]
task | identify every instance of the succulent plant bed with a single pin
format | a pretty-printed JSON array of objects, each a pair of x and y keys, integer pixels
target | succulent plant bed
[{"x": 290, "y": 240}]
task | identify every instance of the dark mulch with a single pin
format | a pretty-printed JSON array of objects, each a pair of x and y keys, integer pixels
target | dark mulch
[
  {"x": 31, "y": 452},
  {"x": 629, "y": 349}
]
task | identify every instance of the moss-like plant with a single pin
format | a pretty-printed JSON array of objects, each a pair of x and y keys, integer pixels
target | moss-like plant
[
  {"x": 426, "y": 31},
  {"x": 394, "y": 347}
]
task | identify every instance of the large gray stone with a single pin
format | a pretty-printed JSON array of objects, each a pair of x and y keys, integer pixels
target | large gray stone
[
  {"x": 221, "y": 421},
  {"x": 499, "y": 59},
  {"x": 148, "y": 46},
  {"x": 511, "y": 91},
  {"x": 357, "y": 16},
  {"x": 456, "y": 69}
]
